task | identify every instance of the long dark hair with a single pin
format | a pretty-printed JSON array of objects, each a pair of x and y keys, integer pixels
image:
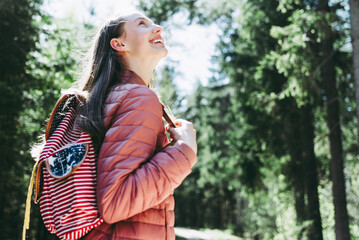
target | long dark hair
[{"x": 103, "y": 68}]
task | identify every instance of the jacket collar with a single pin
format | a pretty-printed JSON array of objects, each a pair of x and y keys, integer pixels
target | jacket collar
[{"x": 130, "y": 77}]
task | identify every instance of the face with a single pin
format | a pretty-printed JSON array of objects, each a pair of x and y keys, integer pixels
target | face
[{"x": 142, "y": 39}]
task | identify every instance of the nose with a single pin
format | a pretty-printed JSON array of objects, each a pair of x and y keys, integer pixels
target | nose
[{"x": 157, "y": 29}]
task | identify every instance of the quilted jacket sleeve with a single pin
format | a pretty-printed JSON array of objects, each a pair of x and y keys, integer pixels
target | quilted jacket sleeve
[{"x": 131, "y": 177}]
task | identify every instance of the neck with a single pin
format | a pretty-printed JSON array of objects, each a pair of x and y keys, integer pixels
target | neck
[{"x": 142, "y": 68}]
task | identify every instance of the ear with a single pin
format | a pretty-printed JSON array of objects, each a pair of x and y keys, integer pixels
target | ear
[{"x": 117, "y": 45}]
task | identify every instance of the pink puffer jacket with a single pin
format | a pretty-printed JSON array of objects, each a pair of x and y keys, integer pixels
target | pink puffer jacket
[{"x": 136, "y": 176}]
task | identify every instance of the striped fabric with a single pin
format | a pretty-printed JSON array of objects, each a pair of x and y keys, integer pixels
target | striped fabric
[{"x": 68, "y": 206}]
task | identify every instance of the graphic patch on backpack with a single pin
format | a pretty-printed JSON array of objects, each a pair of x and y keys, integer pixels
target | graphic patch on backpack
[{"x": 64, "y": 162}]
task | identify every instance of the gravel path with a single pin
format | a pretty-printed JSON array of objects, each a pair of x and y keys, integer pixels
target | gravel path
[{"x": 191, "y": 234}]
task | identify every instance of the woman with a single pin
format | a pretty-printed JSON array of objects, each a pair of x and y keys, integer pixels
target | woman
[{"x": 137, "y": 172}]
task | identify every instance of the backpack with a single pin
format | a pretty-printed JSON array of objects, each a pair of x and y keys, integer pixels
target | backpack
[
  {"x": 65, "y": 182},
  {"x": 65, "y": 175}
]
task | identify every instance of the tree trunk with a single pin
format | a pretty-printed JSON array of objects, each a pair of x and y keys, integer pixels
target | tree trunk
[
  {"x": 354, "y": 21},
  {"x": 310, "y": 169},
  {"x": 328, "y": 75},
  {"x": 295, "y": 175},
  {"x": 238, "y": 208},
  {"x": 298, "y": 181}
]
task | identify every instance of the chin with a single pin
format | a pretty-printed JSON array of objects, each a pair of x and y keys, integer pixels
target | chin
[
  {"x": 162, "y": 53},
  {"x": 165, "y": 52},
  {"x": 158, "y": 54}
]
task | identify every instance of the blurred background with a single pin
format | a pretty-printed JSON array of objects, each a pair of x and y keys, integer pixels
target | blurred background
[{"x": 269, "y": 85}]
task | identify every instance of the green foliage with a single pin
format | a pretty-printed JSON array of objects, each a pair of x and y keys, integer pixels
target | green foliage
[
  {"x": 249, "y": 118},
  {"x": 37, "y": 60},
  {"x": 166, "y": 89},
  {"x": 249, "y": 131},
  {"x": 162, "y": 10},
  {"x": 19, "y": 33}
]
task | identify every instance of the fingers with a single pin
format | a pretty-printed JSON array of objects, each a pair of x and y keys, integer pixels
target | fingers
[
  {"x": 173, "y": 132},
  {"x": 178, "y": 122},
  {"x": 182, "y": 122},
  {"x": 182, "y": 126},
  {"x": 183, "y": 131}
]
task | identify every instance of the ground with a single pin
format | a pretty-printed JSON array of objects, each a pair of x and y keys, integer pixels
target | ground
[{"x": 206, "y": 234}]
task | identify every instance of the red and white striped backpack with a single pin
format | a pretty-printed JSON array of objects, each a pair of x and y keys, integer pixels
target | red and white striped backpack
[{"x": 65, "y": 184}]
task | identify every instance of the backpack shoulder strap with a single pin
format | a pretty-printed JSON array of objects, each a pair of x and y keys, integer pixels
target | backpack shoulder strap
[
  {"x": 28, "y": 203},
  {"x": 166, "y": 112}
]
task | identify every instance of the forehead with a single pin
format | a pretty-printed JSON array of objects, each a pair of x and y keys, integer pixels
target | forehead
[{"x": 137, "y": 16}]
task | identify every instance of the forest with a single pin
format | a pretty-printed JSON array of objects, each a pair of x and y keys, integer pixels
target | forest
[{"x": 277, "y": 123}]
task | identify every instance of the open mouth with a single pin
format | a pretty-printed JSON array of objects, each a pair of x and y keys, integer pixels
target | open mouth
[{"x": 156, "y": 40}]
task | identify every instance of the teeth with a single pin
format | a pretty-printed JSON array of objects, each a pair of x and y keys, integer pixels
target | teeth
[{"x": 157, "y": 41}]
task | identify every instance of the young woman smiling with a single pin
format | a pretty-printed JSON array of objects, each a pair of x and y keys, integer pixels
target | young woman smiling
[{"x": 137, "y": 171}]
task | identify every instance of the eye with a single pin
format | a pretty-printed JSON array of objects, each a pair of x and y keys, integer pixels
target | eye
[{"x": 141, "y": 22}]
